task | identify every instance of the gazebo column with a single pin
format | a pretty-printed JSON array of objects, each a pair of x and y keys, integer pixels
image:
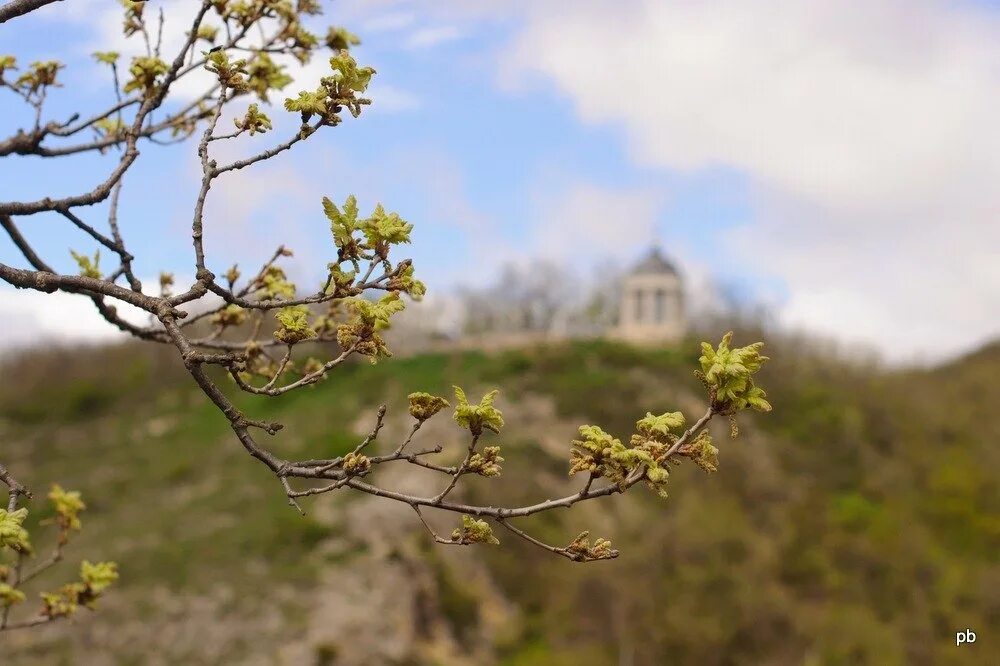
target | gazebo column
[{"x": 638, "y": 305}]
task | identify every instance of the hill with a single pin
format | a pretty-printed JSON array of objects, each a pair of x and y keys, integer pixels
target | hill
[{"x": 857, "y": 523}]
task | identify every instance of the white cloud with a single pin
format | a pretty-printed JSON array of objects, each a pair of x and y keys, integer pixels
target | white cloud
[
  {"x": 30, "y": 317},
  {"x": 389, "y": 22},
  {"x": 867, "y": 129},
  {"x": 433, "y": 36},
  {"x": 586, "y": 222}
]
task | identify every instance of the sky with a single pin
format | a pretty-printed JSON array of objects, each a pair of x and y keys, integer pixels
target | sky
[{"x": 835, "y": 160}]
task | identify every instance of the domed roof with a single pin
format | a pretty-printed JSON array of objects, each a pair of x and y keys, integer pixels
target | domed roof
[{"x": 654, "y": 264}]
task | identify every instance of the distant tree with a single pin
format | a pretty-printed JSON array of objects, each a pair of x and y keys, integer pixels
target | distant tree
[
  {"x": 523, "y": 299},
  {"x": 541, "y": 297},
  {"x": 259, "y": 323}
]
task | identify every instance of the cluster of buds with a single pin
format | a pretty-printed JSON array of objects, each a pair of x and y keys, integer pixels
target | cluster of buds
[
  {"x": 94, "y": 578},
  {"x": 486, "y": 463},
  {"x": 581, "y": 550},
  {"x": 424, "y": 405},
  {"x": 356, "y": 464},
  {"x": 473, "y": 531},
  {"x": 702, "y": 452},
  {"x": 146, "y": 72}
]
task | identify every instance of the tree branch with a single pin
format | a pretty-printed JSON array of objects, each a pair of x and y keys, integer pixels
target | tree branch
[{"x": 16, "y": 8}]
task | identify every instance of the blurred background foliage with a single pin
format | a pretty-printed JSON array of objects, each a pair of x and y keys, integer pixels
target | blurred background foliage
[{"x": 859, "y": 523}]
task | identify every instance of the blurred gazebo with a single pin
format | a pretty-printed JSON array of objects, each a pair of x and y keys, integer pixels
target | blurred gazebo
[{"x": 652, "y": 302}]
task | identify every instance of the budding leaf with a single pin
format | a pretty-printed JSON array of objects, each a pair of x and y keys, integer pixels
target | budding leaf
[
  {"x": 88, "y": 267},
  {"x": 265, "y": 75},
  {"x": 308, "y": 103},
  {"x": 728, "y": 374},
  {"x": 98, "y": 577},
  {"x": 478, "y": 417},
  {"x": 231, "y": 74},
  {"x": 107, "y": 57},
  {"x": 231, "y": 315},
  {"x": 347, "y": 78},
  {"x": 40, "y": 75},
  {"x": 386, "y": 228},
  {"x": 253, "y": 121},
  {"x": 406, "y": 283},
  {"x": 207, "y": 33},
  {"x": 145, "y": 73},
  {"x": 7, "y": 62},
  {"x": 12, "y": 534},
  {"x": 659, "y": 426},
  {"x": 340, "y": 39},
  {"x": 294, "y": 322},
  {"x": 10, "y": 596},
  {"x": 344, "y": 223},
  {"x": 68, "y": 505}
]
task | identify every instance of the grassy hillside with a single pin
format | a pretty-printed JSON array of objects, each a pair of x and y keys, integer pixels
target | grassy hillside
[{"x": 858, "y": 523}]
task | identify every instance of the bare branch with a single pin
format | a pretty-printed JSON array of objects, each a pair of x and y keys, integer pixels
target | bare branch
[
  {"x": 16, "y": 8},
  {"x": 15, "y": 489}
]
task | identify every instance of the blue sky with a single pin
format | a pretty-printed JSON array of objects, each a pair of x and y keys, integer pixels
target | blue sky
[{"x": 779, "y": 153}]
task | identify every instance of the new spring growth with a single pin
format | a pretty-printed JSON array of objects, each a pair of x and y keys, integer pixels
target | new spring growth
[
  {"x": 474, "y": 531},
  {"x": 601, "y": 454},
  {"x": 231, "y": 315},
  {"x": 728, "y": 374},
  {"x": 98, "y": 577},
  {"x": 207, "y": 33},
  {"x": 486, "y": 463},
  {"x": 380, "y": 230},
  {"x": 7, "y": 62},
  {"x": 106, "y": 57},
  {"x": 581, "y": 550},
  {"x": 12, "y": 533},
  {"x": 424, "y": 405},
  {"x": 341, "y": 39},
  {"x": 478, "y": 417},
  {"x": 340, "y": 89},
  {"x": 88, "y": 267},
  {"x": 356, "y": 464},
  {"x": 68, "y": 505},
  {"x": 347, "y": 79},
  {"x": 145, "y": 73},
  {"x": 166, "y": 282},
  {"x": 361, "y": 331},
  {"x": 254, "y": 121},
  {"x": 264, "y": 75},
  {"x": 702, "y": 452},
  {"x": 274, "y": 284},
  {"x": 133, "y": 16},
  {"x": 39, "y": 75},
  {"x": 94, "y": 579},
  {"x": 343, "y": 225},
  {"x": 311, "y": 366},
  {"x": 231, "y": 73},
  {"x": 294, "y": 321},
  {"x": 10, "y": 596}
]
